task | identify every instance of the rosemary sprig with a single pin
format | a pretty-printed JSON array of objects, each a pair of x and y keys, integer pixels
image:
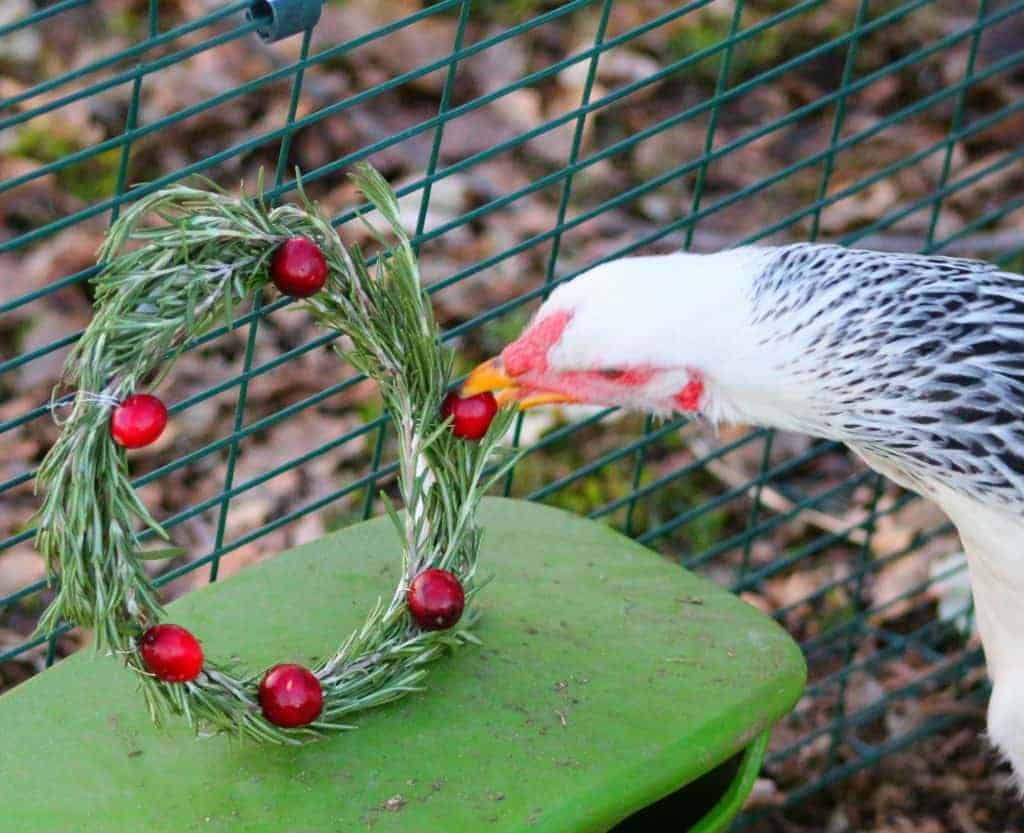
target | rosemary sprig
[{"x": 209, "y": 257}]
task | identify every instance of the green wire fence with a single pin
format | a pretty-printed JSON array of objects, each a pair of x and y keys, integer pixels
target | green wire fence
[{"x": 626, "y": 127}]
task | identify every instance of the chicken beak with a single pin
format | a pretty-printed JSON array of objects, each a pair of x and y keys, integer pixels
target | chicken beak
[
  {"x": 491, "y": 376},
  {"x": 535, "y": 400}
]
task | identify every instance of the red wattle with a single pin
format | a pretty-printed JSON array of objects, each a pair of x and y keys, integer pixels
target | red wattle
[{"x": 688, "y": 399}]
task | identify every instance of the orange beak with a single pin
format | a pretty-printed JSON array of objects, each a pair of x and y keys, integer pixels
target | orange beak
[{"x": 491, "y": 376}]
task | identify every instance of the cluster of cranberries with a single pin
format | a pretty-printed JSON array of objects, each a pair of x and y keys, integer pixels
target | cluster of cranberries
[
  {"x": 291, "y": 695},
  {"x": 298, "y": 268}
]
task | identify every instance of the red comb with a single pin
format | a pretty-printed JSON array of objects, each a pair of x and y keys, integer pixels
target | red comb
[{"x": 530, "y": 350}]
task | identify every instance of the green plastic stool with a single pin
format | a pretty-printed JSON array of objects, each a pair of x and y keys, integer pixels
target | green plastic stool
[{"x": 608, "y": 679}]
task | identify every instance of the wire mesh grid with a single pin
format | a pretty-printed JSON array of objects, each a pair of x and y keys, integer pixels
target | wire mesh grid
[{"x": 527, "y": 141}]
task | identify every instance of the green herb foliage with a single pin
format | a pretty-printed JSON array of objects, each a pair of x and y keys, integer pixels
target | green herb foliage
[{"x": 208, "y": 257}]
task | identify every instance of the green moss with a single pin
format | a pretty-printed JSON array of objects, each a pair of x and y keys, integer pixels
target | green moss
[
  {"x": 510, "y": 11},
  {"x": 838, "y": 609},
  {"x": 677, "y": 498},
  {"x": 91, "y": 179},
  {"x": 125, "y": 23},
  {"x": 369, "y": 409},
  {"x": 614, "y": 482},
  {"x": 708, "y": 29},
  {"x": 593, "y": 491},
  {"x": 41, "y": 145}
]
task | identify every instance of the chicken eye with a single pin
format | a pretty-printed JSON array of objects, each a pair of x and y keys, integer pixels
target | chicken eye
[{"x": 629, "y": 377}]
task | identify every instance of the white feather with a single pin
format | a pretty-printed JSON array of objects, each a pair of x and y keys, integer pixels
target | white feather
[
  {"x": 992, "y": 539},
  {"x": 680, "y": 311}
]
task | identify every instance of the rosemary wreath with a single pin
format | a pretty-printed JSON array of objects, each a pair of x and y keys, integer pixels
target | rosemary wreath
[{"x": 160, "y": 287}]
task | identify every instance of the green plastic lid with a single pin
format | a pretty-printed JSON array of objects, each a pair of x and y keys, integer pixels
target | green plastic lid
[{"x": 608, "y": 678}]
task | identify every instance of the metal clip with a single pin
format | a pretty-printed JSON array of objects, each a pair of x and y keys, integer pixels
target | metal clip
[{"x": 278, "y": 19}]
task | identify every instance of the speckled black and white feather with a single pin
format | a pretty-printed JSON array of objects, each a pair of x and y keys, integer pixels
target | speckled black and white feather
[{"x": 917, "y": 362}]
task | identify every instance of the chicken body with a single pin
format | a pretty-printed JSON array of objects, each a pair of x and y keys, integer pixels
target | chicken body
[{"x": 915, "y": 362}]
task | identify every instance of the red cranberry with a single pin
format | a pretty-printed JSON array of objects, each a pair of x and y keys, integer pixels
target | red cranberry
[
  {"x": 471, "y": 415},
  {"x": 436, "y": 600},
  {"x": 138, "y": 420},
  {"x": 290, "y": 695},
  {"x": 171, "y": 653},
  {"x": 298, "y": 267}
]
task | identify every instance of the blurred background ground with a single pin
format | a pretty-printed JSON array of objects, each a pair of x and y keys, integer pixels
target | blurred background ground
[{"x": 859, "y": 592}]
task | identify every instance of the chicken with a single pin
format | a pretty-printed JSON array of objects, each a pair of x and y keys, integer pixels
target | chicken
[{"x": 915, "y": 362}]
